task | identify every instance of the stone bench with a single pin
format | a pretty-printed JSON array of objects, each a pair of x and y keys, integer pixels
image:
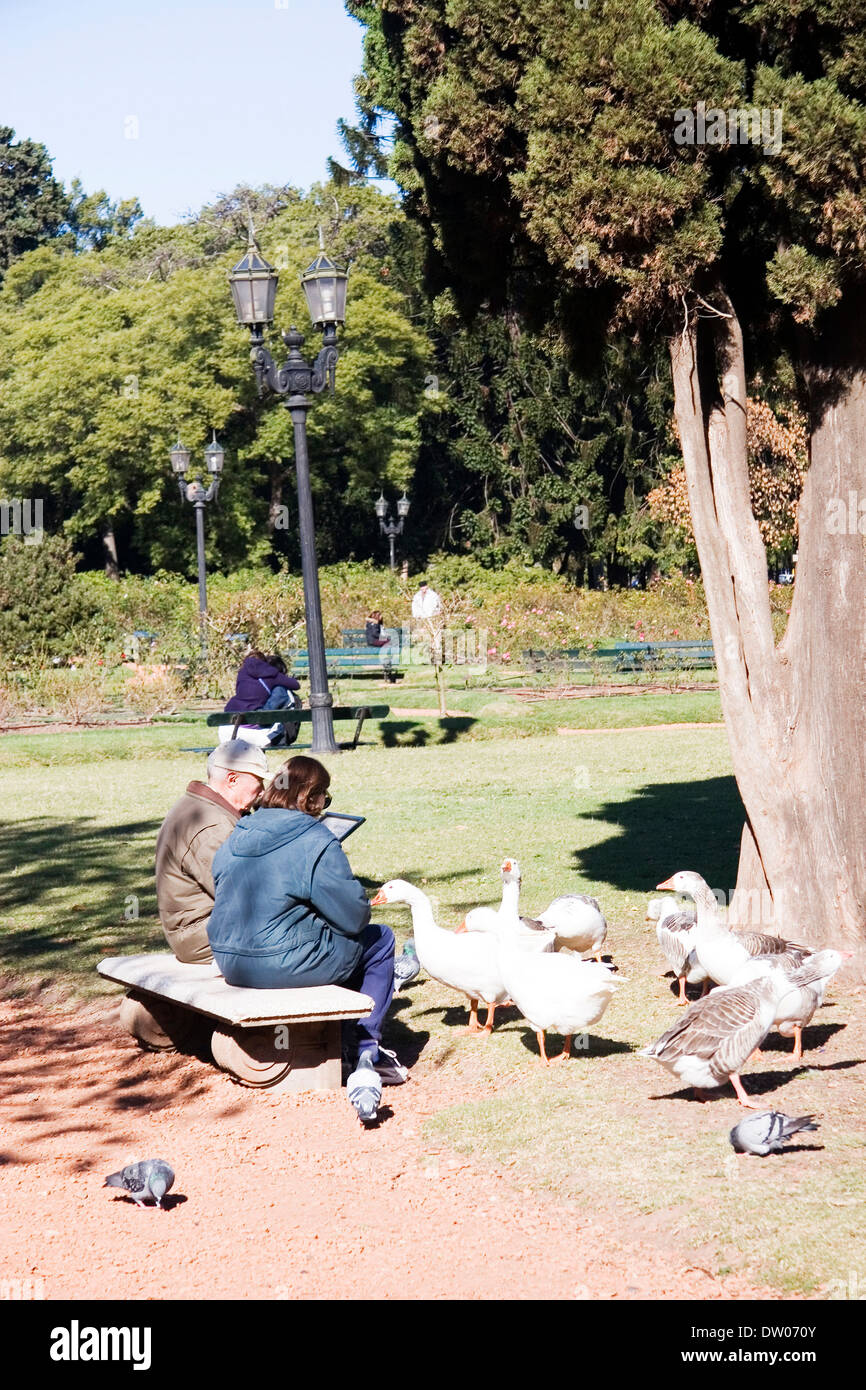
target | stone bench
[{"x": 282, "y": 1039}]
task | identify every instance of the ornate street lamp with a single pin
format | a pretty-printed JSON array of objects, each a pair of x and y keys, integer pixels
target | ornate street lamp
[
  {"x": 389, "y": 527},
  {"x": 199, "y": 496},
  {"x": 253, "y": 284}
]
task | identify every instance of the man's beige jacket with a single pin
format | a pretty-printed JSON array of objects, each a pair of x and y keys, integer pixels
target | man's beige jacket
[{"x": 191, "y": 834}]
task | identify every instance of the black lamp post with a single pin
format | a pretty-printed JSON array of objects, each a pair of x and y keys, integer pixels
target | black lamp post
[
  {"x": 254, "y": 283},
  {"x": 199, "y": 496},
  {"x": 389, "y": 527}
]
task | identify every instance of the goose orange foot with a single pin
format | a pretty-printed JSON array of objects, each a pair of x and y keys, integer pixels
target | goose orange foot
[
  {"x": 742, "y": 1095},
  {"x": 474, "y": 1026},
  {"x": 560, "y": 1056}
]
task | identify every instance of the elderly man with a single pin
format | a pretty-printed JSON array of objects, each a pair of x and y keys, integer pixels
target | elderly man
[{"x": 191, "y": 833}]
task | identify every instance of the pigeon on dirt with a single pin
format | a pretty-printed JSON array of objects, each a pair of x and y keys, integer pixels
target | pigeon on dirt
[
  {"x": 145, "y": 1181},
  {"x": 406, "y": 967},
  {"x": 766, "y": 1133},
  {"x": 364, "y": 1089}
]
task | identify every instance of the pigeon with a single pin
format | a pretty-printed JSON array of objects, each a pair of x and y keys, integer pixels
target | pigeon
[
  {"x": 406, "y": 967},
  {"x": 766, "y": 1133},
  {"x": 364, "y": 1089},
  {"x": 150, "y": 1179}
]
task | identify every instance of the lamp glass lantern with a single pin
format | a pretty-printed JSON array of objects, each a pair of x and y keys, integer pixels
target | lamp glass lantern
[
  {"x": 381, "y": 507},
  {"x": 254, "y": 287},
  {"x": 403, "y": 505},
  {"x": 324, "y": 285},
  {"x": 179, "y": 459},
  {"x": 215, "y": 456}
]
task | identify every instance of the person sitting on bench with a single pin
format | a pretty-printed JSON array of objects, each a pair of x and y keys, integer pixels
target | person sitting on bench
[
  {"x": 191, "y": 833},
  {"x": 373, "y": 630},
  {"x": 288, "y": 911},
  {"x": 262, "y": 683}
]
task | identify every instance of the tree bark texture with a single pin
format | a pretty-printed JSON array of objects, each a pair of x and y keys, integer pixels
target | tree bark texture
[{"x": 796, "y": 713}]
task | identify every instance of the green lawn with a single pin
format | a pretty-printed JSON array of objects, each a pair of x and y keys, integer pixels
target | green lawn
[{"x": 597, "y": 809}]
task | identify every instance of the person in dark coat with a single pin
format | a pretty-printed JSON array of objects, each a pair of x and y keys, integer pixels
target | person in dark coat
[
  {"x": 288, "y": 910},
  {"x": 373, "y": 630},
  {"x": 261, "y": 684}
]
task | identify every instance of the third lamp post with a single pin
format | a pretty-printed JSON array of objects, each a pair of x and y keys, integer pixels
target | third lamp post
[
  {"x": 389, "y": 527},
  {"x": 199, "y": 496}
]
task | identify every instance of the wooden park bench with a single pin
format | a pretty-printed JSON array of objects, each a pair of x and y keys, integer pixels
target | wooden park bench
[
  {"x": 281, "y": 1039},
  {"x": 351, "y": 661},
  {"x": 264, "y": 718},
  {"x": 628, "y": 656}
]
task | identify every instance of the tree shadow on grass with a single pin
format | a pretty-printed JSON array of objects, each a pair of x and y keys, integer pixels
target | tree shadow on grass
[
  {"x": 107, "y": 871},
  {"x": 664, "y": 827},
  {"x": 411, "y": 733}
]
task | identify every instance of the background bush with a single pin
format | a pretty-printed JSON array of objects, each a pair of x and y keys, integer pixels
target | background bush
[{"x": 51, "y": 616}]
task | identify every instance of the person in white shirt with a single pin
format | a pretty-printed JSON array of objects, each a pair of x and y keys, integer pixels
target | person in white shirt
[{"x": 426, "y": 603}]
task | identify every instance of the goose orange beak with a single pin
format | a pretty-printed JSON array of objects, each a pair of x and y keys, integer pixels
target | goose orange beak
[
  {"x": 667, "y": 884},
  {"x": 378, "y": 900},
  {"x": 506, "y": 866}
]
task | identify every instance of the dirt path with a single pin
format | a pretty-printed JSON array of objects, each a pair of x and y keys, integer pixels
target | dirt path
[{"x": 276, "y": 1197}]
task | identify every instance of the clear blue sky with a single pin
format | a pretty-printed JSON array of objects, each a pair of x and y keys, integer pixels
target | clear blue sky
[{"x": 177, "y": 101}]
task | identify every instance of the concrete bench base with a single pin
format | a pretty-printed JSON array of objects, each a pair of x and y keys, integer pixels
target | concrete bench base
[{"x": 281, "y": 1039}]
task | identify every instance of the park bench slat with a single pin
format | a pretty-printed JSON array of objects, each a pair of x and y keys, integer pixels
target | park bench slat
[
  {"x": 203, "y": 989},
  {"x": 630, "y": 656},
  {"x": 341, "y": 661},
  {"x": 264, "y": 718}
]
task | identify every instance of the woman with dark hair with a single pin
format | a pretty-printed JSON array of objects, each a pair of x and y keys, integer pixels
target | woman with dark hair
[
  {"x": 288, "y": 910},
  {"x": 262, "y": 683},
  {"x": 373, "y": 630}
]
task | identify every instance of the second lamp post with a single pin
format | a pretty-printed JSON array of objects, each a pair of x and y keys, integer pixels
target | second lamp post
[
  {"x": 392, "y": 528},
  {"x": 199, "y": 496},
  {"x": 254, "y": 285}
]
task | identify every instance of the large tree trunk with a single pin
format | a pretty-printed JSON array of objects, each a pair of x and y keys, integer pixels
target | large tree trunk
[{"x": 796, "y": 715}]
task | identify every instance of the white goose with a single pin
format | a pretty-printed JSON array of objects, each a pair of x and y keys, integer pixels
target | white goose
[
  {"x": 528, "y": 934},
  {"x": 657, "y": 908},
  {"x": 555, "y": 991},
  {"x": 796, "y": 1003},
  {"x": 720, "y": 951},
  {"x": 675, "y": 931},
  {"x": 579, "y": 924},
  {"x": 468, "y": 962},
  {"x": 717, "y": 1035}
]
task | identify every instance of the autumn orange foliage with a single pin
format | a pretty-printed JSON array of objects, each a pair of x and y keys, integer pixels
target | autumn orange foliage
[{"x": 778, "y": 459}]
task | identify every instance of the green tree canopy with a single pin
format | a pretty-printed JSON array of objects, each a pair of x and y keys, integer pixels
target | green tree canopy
[
  {"x": 33, "y": 205},
  {"x": 108, "y": 354}
]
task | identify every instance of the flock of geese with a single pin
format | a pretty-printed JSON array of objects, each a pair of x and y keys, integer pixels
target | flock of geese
[{"x": 551, "y": 968}]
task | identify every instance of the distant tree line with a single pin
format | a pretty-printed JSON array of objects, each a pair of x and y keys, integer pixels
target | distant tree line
[{"x": 116, "y": 336}]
